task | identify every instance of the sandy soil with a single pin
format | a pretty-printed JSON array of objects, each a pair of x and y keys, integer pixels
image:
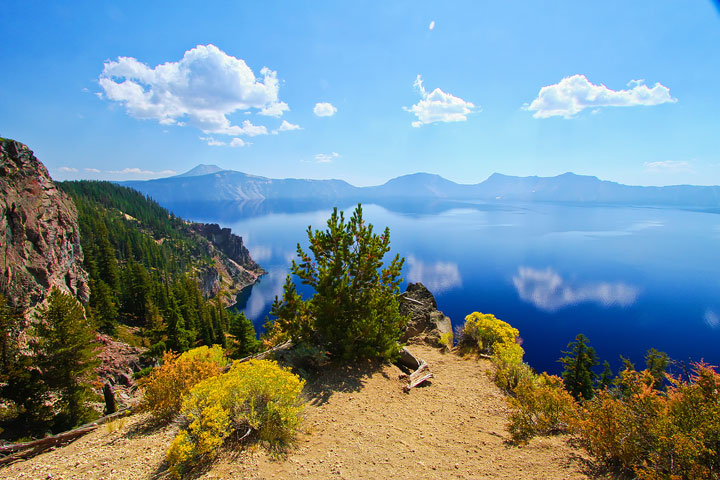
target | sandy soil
[{"x": 358, "y": 425}]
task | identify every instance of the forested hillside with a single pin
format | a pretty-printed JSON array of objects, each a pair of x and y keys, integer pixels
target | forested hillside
[{"x": 145, "y": 265}]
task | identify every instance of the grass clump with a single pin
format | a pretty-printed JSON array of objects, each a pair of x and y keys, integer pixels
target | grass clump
[
  {"x": 166, "y": 386},
  {"x": 257, "y": 395}
]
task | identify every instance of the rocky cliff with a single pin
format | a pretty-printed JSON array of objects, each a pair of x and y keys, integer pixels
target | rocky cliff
[
  {"x": 229, "y": 244},
  {"x": 39, "y": 234},
  {"x": 426, "y": 323}
]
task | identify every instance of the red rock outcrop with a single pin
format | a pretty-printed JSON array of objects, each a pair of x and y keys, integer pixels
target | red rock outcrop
[{"x": 39, "y": 234}]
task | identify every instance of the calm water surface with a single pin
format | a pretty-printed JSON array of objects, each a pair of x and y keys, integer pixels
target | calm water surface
[{"x": 628, "y": 278}]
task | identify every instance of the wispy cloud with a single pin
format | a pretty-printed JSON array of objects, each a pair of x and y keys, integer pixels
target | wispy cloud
[
  {"x": 68, "y": 169},
  {"x": 326, "y": 157},
  {"x": 574, "y": 94},
  {"x": 324, "y": 109},
  {"x": 438, "y": 277},
  {"x": 712, "y": 319},
  {"x": 550, "y": 292},
  {"x": 669, "y": 166},
  {"x": 438, "y": 106},
  {"x": 432, "y": 25},
  {"x": 201, "y": 89},
  {"x": 235, "y": 142},
  {"x": 139, "y": 171},
  {"x": 91, "y": 170}
]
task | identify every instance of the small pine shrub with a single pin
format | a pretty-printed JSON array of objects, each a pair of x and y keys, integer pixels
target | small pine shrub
[
  {"x": 166, "y": 386},
  {"x": 257, "y": 394},
  {"x": 541, "y": 406}
]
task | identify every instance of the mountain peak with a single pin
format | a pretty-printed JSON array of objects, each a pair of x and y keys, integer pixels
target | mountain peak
[{"x": 201, "y": 169}]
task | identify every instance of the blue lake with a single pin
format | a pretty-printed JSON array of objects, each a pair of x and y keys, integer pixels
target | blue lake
[{"x": 628, "y": 278}]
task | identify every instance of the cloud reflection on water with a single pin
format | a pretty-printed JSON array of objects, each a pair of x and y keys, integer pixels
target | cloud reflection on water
[
  {"x": 548, "y": 291},
  {"x": 438, "y": 277}
]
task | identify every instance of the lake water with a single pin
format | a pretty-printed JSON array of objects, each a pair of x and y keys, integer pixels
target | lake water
[{"x": 628, "y": 278}]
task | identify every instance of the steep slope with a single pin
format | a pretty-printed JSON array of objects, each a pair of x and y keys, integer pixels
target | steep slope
[
  {"x": 358, "y": 425},
  {"x": 39, "y": 232},
  {"x": 199, "y": 170}
]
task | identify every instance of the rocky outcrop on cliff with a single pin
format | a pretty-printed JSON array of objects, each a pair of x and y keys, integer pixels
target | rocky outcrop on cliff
[
  {"x": 426, "y": 323},
  {"x": 229, "y": 244},
  {"x": 39, "y": 234}
]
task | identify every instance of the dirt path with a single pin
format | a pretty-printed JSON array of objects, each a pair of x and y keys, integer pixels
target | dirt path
[{"x": 358, "y": 425}]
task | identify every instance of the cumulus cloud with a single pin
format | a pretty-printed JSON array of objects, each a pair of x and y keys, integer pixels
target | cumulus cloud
[
  {"x": 235, "y": 142},
  {"x": 438, "y": 277},
  {"x": 286, "y": 126},
  {"x": 201, "y": 89},
  {"x": 550, "y": 292},
  {"x": 91, "y": 170},
  {"x": 438, "y": 106},
  {"x": 574, "y": 94},
  {"x": 68, "y": 169},
  {"x": 324, "y": 109},
  {"x": 326, "y": 157},
  {"x": 668, "y": 166},
  {"x": 432, "y": 25}
]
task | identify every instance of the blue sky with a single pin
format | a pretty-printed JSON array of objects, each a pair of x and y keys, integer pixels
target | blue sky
[{"x": 366, "y": 91}]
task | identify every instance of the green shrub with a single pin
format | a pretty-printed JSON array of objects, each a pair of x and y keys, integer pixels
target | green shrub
[
  {"x": 446, "y": 341},
  {"x": 166, "y": 386},
  {"x": 257, "y": 395}
]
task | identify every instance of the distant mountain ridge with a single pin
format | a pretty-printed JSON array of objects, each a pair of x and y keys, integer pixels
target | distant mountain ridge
[{"x": 228, "y": 185}]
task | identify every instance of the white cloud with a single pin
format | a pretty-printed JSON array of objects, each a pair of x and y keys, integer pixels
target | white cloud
[
  {"x": 68, "y": 169},
  {"x": 91, "y": 170},
  {"x": 432, "y": 25},
  {"x": 238, "y": 142},
  {"x": 286, "y": 126},
  {"x": 574, "y": 94},
  {"x": 324, "y": 109},
  {"x": 438, "y": 106},
  {"x": 139, "y": 171},
  {"x": 550, "y": 292},
  {"x": 438, "y": 277},
  {"x": 668, "y": 166},
  {"x": 235, "y": 142},
  {"x": 201, "y": 89},
  {"x": 325, "y": 157}
]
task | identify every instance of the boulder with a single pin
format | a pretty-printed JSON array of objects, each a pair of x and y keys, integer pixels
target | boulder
[{"x": 426, "y": 323}]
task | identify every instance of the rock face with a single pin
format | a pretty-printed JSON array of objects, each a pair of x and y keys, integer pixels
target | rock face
[
  {"x": 229, "y": 244},
  {"x": 39, "y": 234},
  {"x": 426, "y": 322}
]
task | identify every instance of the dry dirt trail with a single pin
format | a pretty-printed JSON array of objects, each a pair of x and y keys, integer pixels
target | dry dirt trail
[{"x": 358, "y": 425}]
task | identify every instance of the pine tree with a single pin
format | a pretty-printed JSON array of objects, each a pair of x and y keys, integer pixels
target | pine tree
[
  {"x": 606, "y": 377},
  {"x": 244, "y": 341},
  {"x": 578, "y": 362},
  {"x": 657, "y": 363},
  {"x": 66, "y": 352},
  {"x": 354, "y": 311}
]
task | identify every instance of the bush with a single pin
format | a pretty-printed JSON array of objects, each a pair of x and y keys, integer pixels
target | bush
[
  {"x": 483, "y": 331},
  {"x": 446, "y": 341},
  {"x": 541, "y": 406},
  {"x": 654, "y": 434},
  {"x": 354, "y": 310},
  {"x": 257, "y": 394},
  {"x": 166, "y": 386}
]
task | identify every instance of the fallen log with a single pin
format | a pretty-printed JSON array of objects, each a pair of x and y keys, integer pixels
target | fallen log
[
  {"x": 420, "y": 369},
  {"x": 35, "y": 447},
  {"x": 417, "y": 382},
  {"x": 408, "y": 360}
]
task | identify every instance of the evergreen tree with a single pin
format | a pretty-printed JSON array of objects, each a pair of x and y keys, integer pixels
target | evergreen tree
[
  {"x": 657, "y": 364},
  {"x": 578, "y": 362},
  {"x": 354, "y": 311},
  {"x": 606, "y": 377},
  {"x": 244, "y": 341},
  {"x": 66, "y": 352}
]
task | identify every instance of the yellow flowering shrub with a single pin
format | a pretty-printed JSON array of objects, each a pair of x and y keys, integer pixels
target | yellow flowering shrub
[
  {"x": 258, "y": 394},
  {"x": 482, "y": 331},
  {"x": 166, "y": 386}
]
